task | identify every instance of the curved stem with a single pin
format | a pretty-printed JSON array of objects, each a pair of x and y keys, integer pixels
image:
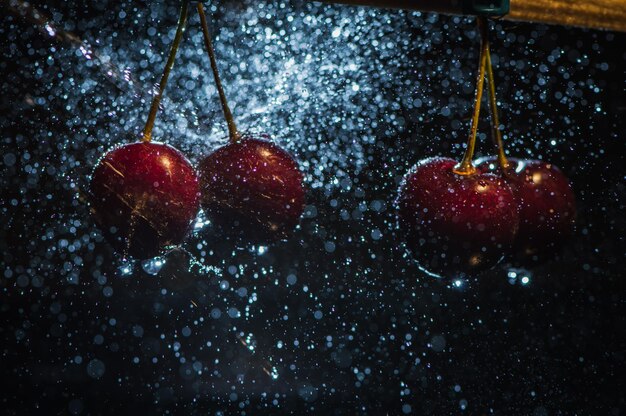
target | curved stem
[
  {"x": 154, "y": 108},
  {"x": 232, "y": 127},
  {"x": 493, "y": 107},
  {"x": 466, "y": 167}
]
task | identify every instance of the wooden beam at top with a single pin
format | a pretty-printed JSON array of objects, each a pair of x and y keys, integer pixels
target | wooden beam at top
[{"x": 597, "y": 14}]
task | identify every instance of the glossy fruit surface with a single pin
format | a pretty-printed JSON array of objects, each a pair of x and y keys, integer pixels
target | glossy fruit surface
[
  {"x": 456, "y": 224},
  {"x": 252, "y": 190},
  {"x": 144, "y": 197},
  {"x": 546, "y": 203}
]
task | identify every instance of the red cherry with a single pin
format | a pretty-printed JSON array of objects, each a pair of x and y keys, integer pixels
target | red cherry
[
  {"x": 456, "y": 223},
  {"x": 252, "y": 189},
  {"x": 546, "y": 204},
  {"x": 144, "y": 197}
]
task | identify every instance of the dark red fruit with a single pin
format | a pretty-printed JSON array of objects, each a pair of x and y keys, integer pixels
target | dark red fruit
[
  {"x": 546, "y": 204},
  {"x": 456, "y": 224},
  {"x": 144, "y": 197},
  {"x": 252, "y": 189}
]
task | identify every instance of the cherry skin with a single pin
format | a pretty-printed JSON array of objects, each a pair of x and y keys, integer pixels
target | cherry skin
[
  {"x": 456, "y": 224},
  {"x": 546, "y": 204},
  {"x": 144, "y": 197},
  {"x": 252, "y": 190}
]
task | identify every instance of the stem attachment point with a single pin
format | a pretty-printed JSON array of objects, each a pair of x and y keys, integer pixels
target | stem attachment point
[{"x": 465, "y": 167}]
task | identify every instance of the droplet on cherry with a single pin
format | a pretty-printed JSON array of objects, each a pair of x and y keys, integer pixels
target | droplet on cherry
[
  {"x": 252, "y": 189},
  {"x": 144, "y": 197},
  {"x": 456, "y": 224},
  {"x": 546, "y": 202}
]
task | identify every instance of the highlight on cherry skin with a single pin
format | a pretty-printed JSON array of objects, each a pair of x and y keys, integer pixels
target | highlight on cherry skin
[
  {"x": 144, "y": 197},
  {"x": 455, "y": 224},
  {"x": 252, "y": 190},
  {"x": 546, "y": 202}
]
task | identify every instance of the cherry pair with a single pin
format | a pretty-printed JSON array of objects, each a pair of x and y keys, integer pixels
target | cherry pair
[
  {"x": 460, "y": 219},
  {"x": 146, "y": 195}
]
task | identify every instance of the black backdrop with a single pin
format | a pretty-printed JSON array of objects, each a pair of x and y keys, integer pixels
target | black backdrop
[{"x": 338, "y": 320}]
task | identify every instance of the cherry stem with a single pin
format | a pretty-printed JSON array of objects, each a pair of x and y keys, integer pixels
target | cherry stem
[
  {"x": 233, "y": 133},
  {"x": 466, "y": 167},
  {"x": 493, "y": 107},
  {"x": 156, "y": 100}
]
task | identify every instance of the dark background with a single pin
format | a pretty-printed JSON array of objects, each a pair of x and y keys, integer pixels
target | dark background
[{"x": 338, "y": 320}]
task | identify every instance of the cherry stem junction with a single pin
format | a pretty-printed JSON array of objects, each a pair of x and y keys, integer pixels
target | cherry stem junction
[
  {"x": 495, "y": 122},
  {"x": 233, "y": 133},
  {"x": 466, "y": 167},
  {"x": 156, "y": 100}
]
